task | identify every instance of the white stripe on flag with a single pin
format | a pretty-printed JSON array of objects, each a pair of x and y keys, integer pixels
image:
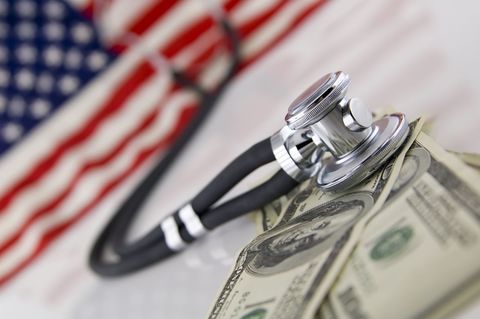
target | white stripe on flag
[
  {"x": 179, "y": 19},
  {"x": 251, "y": 9},
  {"x": 116, "y": 17},
  {"x": 215, "y": 71},
  {"x": 201, "y": 43},
  {"x": 277, "y": 25}
]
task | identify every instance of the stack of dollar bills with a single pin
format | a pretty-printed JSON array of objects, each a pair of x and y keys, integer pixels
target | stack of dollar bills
[{"x": 403, "y": 244}]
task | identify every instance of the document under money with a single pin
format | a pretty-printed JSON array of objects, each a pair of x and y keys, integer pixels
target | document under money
[{"x": 287, "y": 271}]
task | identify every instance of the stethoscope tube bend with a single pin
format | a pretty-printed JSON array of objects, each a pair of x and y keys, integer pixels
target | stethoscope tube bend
[
  {"x": 195, "y": 218},
  {"x": 327, "y": 136}
]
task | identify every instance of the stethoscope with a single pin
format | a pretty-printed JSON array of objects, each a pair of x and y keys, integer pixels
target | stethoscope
[{"x": 328, "y": 137}]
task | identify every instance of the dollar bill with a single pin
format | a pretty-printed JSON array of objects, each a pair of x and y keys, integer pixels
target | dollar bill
[
  {"x": 266, "y": 217},
  {"x": 419, "y": 256},
  {"x": 286, "y": 271},
  {"x": 470, "y": 159}
]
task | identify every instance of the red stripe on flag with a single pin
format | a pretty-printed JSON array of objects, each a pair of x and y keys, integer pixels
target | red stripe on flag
[
  {"x": 294, "y": 23},
  {"x": 144, "y": 22},
  {"x": 255, "y": 23},
  {"x": 187, "y": 37}
]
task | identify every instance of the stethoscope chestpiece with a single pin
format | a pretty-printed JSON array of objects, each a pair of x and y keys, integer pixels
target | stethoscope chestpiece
[{"x": 353, "y": 145}]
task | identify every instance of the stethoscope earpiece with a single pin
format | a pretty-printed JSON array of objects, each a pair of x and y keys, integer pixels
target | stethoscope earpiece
[{"x": 354, "y": 146}]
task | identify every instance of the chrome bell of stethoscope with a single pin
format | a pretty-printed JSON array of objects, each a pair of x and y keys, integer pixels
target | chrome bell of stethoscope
[{"x": 334, "y": 137}]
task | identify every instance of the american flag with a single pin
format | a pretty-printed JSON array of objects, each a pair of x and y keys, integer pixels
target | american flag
[{"x": 83, "y": 103}]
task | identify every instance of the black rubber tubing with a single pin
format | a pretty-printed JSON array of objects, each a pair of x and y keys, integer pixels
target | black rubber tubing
[
  {"x": 118, "y": 225},
  {"x": 133, "y": 204},
  {"x": 256, "y": 156},
  {"x": 152, "y": 248},
  {"x": 130, "y": 207},
  {"x": 276, "y": 186}
]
